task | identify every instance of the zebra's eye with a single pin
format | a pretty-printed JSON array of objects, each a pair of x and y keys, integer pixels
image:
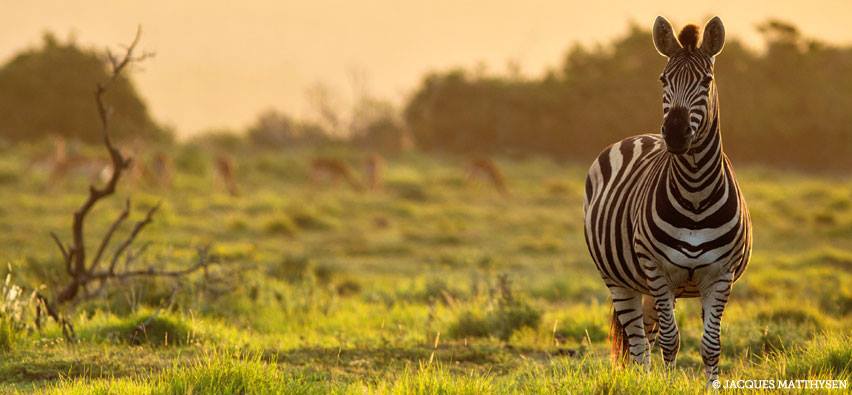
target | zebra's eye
[
  {"x": 663, "y": 80},
  {"x": 707, "y": 80}
]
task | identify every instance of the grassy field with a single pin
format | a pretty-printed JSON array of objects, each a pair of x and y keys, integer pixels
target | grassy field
[{"x": 433, "y": 285}]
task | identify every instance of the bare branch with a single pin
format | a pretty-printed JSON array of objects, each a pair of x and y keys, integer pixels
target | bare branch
[
  {"x": 105, "y": 242},
  {"x": 132, "y": 236},
  {"x": 61, "y": 248},
  {"x": 202, "y": 262}
]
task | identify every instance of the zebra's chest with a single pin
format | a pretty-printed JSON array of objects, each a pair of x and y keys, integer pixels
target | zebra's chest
[{"x": 689, "y": 246}]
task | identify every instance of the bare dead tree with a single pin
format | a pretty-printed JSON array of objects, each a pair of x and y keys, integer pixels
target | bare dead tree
[{"x": 103, "y": 267}]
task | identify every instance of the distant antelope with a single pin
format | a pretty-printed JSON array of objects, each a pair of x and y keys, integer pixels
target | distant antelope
[
  {"x": 484, "y": 169},
  {"x": 333, "y": 170},
  {"x": 161, "y": 169},
  {"x": 374, "y": 166},
  {"x": 226, "y": 168},
  {"x": 90, "y": 168},
  {"x": 60, "y": 164}
]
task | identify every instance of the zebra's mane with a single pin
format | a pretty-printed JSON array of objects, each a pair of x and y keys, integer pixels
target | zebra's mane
[{"x": 688, "y": 36}]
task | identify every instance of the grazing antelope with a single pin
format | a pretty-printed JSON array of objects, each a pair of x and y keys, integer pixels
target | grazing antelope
[
  {"x": 333, "y": 170},
  {"x": 60, "y": 164},
  {"x": 484, "y": 169},
  {"x": 664, "y": 216},
  {"x": 161, "y": 169},
  {"x": 374, "y": 167},
  {"x": 226, "y": 169}
]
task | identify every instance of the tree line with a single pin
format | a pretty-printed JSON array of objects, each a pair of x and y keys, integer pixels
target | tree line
[
  {"x": 788, "y": 105},
  {"x": 785, "y": 105}
]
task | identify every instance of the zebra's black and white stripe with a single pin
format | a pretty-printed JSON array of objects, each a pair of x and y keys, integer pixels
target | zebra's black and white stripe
[{"x": 664, "y": 216}]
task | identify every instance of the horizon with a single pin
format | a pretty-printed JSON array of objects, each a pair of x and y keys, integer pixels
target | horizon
[{"x": 200, "y": 80}]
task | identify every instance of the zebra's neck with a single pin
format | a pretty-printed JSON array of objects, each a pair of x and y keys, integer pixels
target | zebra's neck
[{"x": 697, "y": 175}]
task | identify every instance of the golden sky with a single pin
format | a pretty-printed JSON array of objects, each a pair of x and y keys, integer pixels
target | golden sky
[{"x": 219, "y": 63}]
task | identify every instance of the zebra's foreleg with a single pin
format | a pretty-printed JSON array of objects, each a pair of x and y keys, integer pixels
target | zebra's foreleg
[
  {"x": 627, "y": 305},
  {"x": 714, "y": 297},
  {"x": 669, "y": 337},
  {"x": 663, "y": 304}
]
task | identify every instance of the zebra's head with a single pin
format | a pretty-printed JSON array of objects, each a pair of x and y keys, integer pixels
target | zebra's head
[{"x": 687, "y": 79}]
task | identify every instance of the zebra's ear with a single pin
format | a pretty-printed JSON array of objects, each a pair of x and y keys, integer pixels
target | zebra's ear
[
  {"x": 664, "y": 38},
  {"x": 714, "y": 37}
]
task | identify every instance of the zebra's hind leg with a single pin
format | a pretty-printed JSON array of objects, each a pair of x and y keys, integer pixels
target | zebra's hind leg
[
  {"x": 628, "y": 326},
  {"x": 714, "y": 297}
]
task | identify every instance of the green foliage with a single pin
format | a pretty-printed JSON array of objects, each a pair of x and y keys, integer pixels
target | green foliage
[{"x": 48, "y": 91}]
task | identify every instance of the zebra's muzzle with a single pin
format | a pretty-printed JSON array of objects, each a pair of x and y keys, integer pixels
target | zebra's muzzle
[{"x": 676, "y": 130}]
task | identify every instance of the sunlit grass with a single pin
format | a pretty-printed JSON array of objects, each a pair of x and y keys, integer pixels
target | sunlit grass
[{"x": 322, "y": 289}]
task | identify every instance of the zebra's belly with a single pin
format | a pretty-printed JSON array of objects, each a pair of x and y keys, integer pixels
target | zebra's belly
[{"x": 694, "y": 258}]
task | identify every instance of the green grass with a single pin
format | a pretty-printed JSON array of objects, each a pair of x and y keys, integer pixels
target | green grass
[{"x": 432, "y": 285}]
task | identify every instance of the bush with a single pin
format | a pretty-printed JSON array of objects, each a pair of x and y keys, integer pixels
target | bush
[
  {"x": 192, "y": 159},
  {"x": 292, "y": 269},
  {"x": 348, "y": 288},
  {"x": 500, "y": 323},
  {"x": 438, "y": 290},
  {"x": 470, "y": 324},
  {"x": 49, "y": 90},
  {"x": 309, "y": 219},
  {"x": 157, "y": 329},
  {"x": 282, "y": 225},
  {"x": 408, "y": 190},
  {"x": 276, "y": 130}
]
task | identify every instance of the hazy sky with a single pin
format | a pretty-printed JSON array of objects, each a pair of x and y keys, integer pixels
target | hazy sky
[{"x": 219, "y": 63}]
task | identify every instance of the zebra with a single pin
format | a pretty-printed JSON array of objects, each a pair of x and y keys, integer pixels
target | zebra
[{"x": 664, "y": 216}]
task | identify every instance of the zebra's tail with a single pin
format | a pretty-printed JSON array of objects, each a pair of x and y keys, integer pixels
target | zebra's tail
[{"x": 619, "y": 346}]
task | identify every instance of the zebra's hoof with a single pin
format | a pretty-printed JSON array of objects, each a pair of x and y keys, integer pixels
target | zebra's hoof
[{"x": 713, "y": 383}]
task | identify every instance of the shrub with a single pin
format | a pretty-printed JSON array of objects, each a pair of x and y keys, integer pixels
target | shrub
[
  {"x": 282, "y": 225},
  {"x": 469, "y": 324},
  {"x": 157, "y": 329},
  {"x": 48, "y": 89},
  {"x": 192, "y": 159},
  {"x": 292, "y": 269},
  {"x": 437, "y": 289},
  {"x": 500, "y": 323},
  {"x": 311, "y": 219},
  {"x": 348, "y": 288},
  {"x": 408, "y": 190}
]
